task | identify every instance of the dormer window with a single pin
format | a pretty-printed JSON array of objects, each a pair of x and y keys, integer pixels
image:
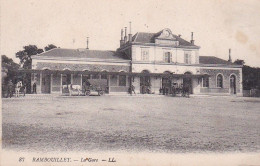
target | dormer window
[{"x": 168, "y": 57}]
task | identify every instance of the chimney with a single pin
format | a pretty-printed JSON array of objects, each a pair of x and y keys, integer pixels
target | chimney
[
  {"x": 130, "y": 35},
  {"x": 229, "y": 55},
  {"x": 122, "y": 37},
  {"x": 125, "y": 35},
  {"x": 192, "y": 41},
  {"x": 87, "y": 43}
]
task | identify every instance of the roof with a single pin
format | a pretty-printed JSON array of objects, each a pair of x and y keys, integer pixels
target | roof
[
  {"x": 82, "y": 53},
  {"x": 213, "y": 60},
  {"x": 143, "y": 37}
]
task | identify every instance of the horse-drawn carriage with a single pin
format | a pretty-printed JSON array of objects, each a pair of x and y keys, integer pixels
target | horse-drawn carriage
[
  {"x": 181, "y": 89},
  {"x": 90, "y": 87},
  {"x": 176, "y": 89}
]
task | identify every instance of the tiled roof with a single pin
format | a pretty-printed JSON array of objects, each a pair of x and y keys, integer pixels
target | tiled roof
[
  {"x": 143, "y": 37},
  {"x": 82, "y": 53},
  {"x": 213, "y": 60}
]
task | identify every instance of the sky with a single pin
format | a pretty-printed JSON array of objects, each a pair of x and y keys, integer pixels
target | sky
[{"x": 217, "y": 24}]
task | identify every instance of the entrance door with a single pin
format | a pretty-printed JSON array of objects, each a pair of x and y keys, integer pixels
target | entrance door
[
  {"x": 187, "y": 82},
  {"x": 145, "y": 83},
  {"x": 233, "y": 84},
  {"x": 46, "y": 83},
  {"x": 166, "y": 85}
]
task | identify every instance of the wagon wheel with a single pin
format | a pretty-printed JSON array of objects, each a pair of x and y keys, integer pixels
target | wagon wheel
[
  {"x": 87, "y": 93},
  {"x": 100, "y": 92}
]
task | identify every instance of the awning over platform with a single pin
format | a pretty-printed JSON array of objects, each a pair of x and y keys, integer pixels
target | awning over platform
[{"x": 168, "y": 75}]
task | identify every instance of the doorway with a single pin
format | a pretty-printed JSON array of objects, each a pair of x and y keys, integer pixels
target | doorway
[
  {"x": 233, "y": 84},
  {"x": 145, "y": 83},
  {"x": 187, "y": 81},
  {"x": 46, "y": 83}
]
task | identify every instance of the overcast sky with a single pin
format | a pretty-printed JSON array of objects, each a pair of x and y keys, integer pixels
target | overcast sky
[{"x": 217, "y": 24}]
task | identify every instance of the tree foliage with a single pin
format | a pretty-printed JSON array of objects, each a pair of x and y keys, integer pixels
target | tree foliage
[
  {"x": 26, "y": 62},
  {"x": 49, "y": 47},
  {"x": 239, "y": 62},
  {"x": 9, "y": 62},
  {"x": 25, "y": 55},
  {"x": 251, "y": 77},
  {"x": 9, "y": 69}
]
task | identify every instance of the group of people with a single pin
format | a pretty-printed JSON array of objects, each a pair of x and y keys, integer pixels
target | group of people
[
  {"x": 182, "y": 89},
  {"x": 11, "y": 89},
  {"x": 15, "y": 89}
]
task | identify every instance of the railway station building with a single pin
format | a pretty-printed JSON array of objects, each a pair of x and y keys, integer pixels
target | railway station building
[{"x": 151, "y": 62}]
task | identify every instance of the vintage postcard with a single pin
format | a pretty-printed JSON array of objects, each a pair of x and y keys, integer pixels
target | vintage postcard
[{"x": 130, "y": 82}]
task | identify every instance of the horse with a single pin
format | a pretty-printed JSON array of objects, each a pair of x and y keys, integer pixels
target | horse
[
  {"x": 18, "y": 86},
  {"x": 74, "y": 88}
]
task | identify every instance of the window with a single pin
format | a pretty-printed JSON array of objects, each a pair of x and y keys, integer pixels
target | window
[
  {"x": 95, "y": 76},
  {"x": 219, "y": 81},
  {"x": 145, "y": 54},
  {"x": 122, "y": 80},
  {"x": 103, "y": 76},
  {"x": 168, "y": 57},
  {"x": 187, "y": 58},
  {"x": 205, "y": 82},
  {"x": 113, "y": 80},
  {"x": 66, "y": 79}
]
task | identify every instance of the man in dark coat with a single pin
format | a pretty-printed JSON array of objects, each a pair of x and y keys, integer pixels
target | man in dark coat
[
  {"x": 34, "y": 88},
  {"x": 10, "y": 87}
]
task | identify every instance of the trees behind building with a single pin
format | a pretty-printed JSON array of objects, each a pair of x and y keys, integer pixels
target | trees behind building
[
  {"x": 26, "y": 61},
  {"x": 251, "y": 76},
  {"x": 49, "y": 47}
]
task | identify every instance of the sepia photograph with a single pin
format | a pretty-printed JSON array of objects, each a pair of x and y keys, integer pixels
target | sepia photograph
[{"x": 130, "y": 83}]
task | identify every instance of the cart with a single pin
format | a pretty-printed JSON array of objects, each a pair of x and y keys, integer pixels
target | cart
[{"x": 95, "y": 87}]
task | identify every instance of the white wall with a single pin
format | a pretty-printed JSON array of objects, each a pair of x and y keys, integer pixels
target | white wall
[
  {"x": 156, "y": 53},
  {"x": 160, "y": 68}
]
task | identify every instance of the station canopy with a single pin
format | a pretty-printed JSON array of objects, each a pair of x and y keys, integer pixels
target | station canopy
[{"x": 169, "y": 75}]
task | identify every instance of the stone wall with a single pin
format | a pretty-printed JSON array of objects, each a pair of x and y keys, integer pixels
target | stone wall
[{"x": 226, "y": 80}]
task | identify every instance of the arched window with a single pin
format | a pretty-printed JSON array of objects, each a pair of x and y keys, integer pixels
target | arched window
[
  {"x": 219, "y": 81},
  {"x": 66, "y": 77},
  {"x": 104, "y": 74},
  {"x": 205, "y": 82}
]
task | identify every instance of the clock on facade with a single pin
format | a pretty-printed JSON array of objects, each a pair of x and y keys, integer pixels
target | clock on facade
[{"x": 166, "y": 33}]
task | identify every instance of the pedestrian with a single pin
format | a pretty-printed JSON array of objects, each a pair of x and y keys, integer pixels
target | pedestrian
[
  {"x": 10, "y": 89},
  {"x": 132, "y": 89},
  {"x": 34, "y": 88}
]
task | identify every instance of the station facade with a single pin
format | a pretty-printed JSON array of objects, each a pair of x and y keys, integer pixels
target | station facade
[{"x": 151, "y": 62}]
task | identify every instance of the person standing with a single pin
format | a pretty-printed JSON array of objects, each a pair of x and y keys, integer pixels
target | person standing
[
  {"x": 10, "y": 89},
  {"x": 132, "y": 89},
  {"x": 34, "y": 88}
]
